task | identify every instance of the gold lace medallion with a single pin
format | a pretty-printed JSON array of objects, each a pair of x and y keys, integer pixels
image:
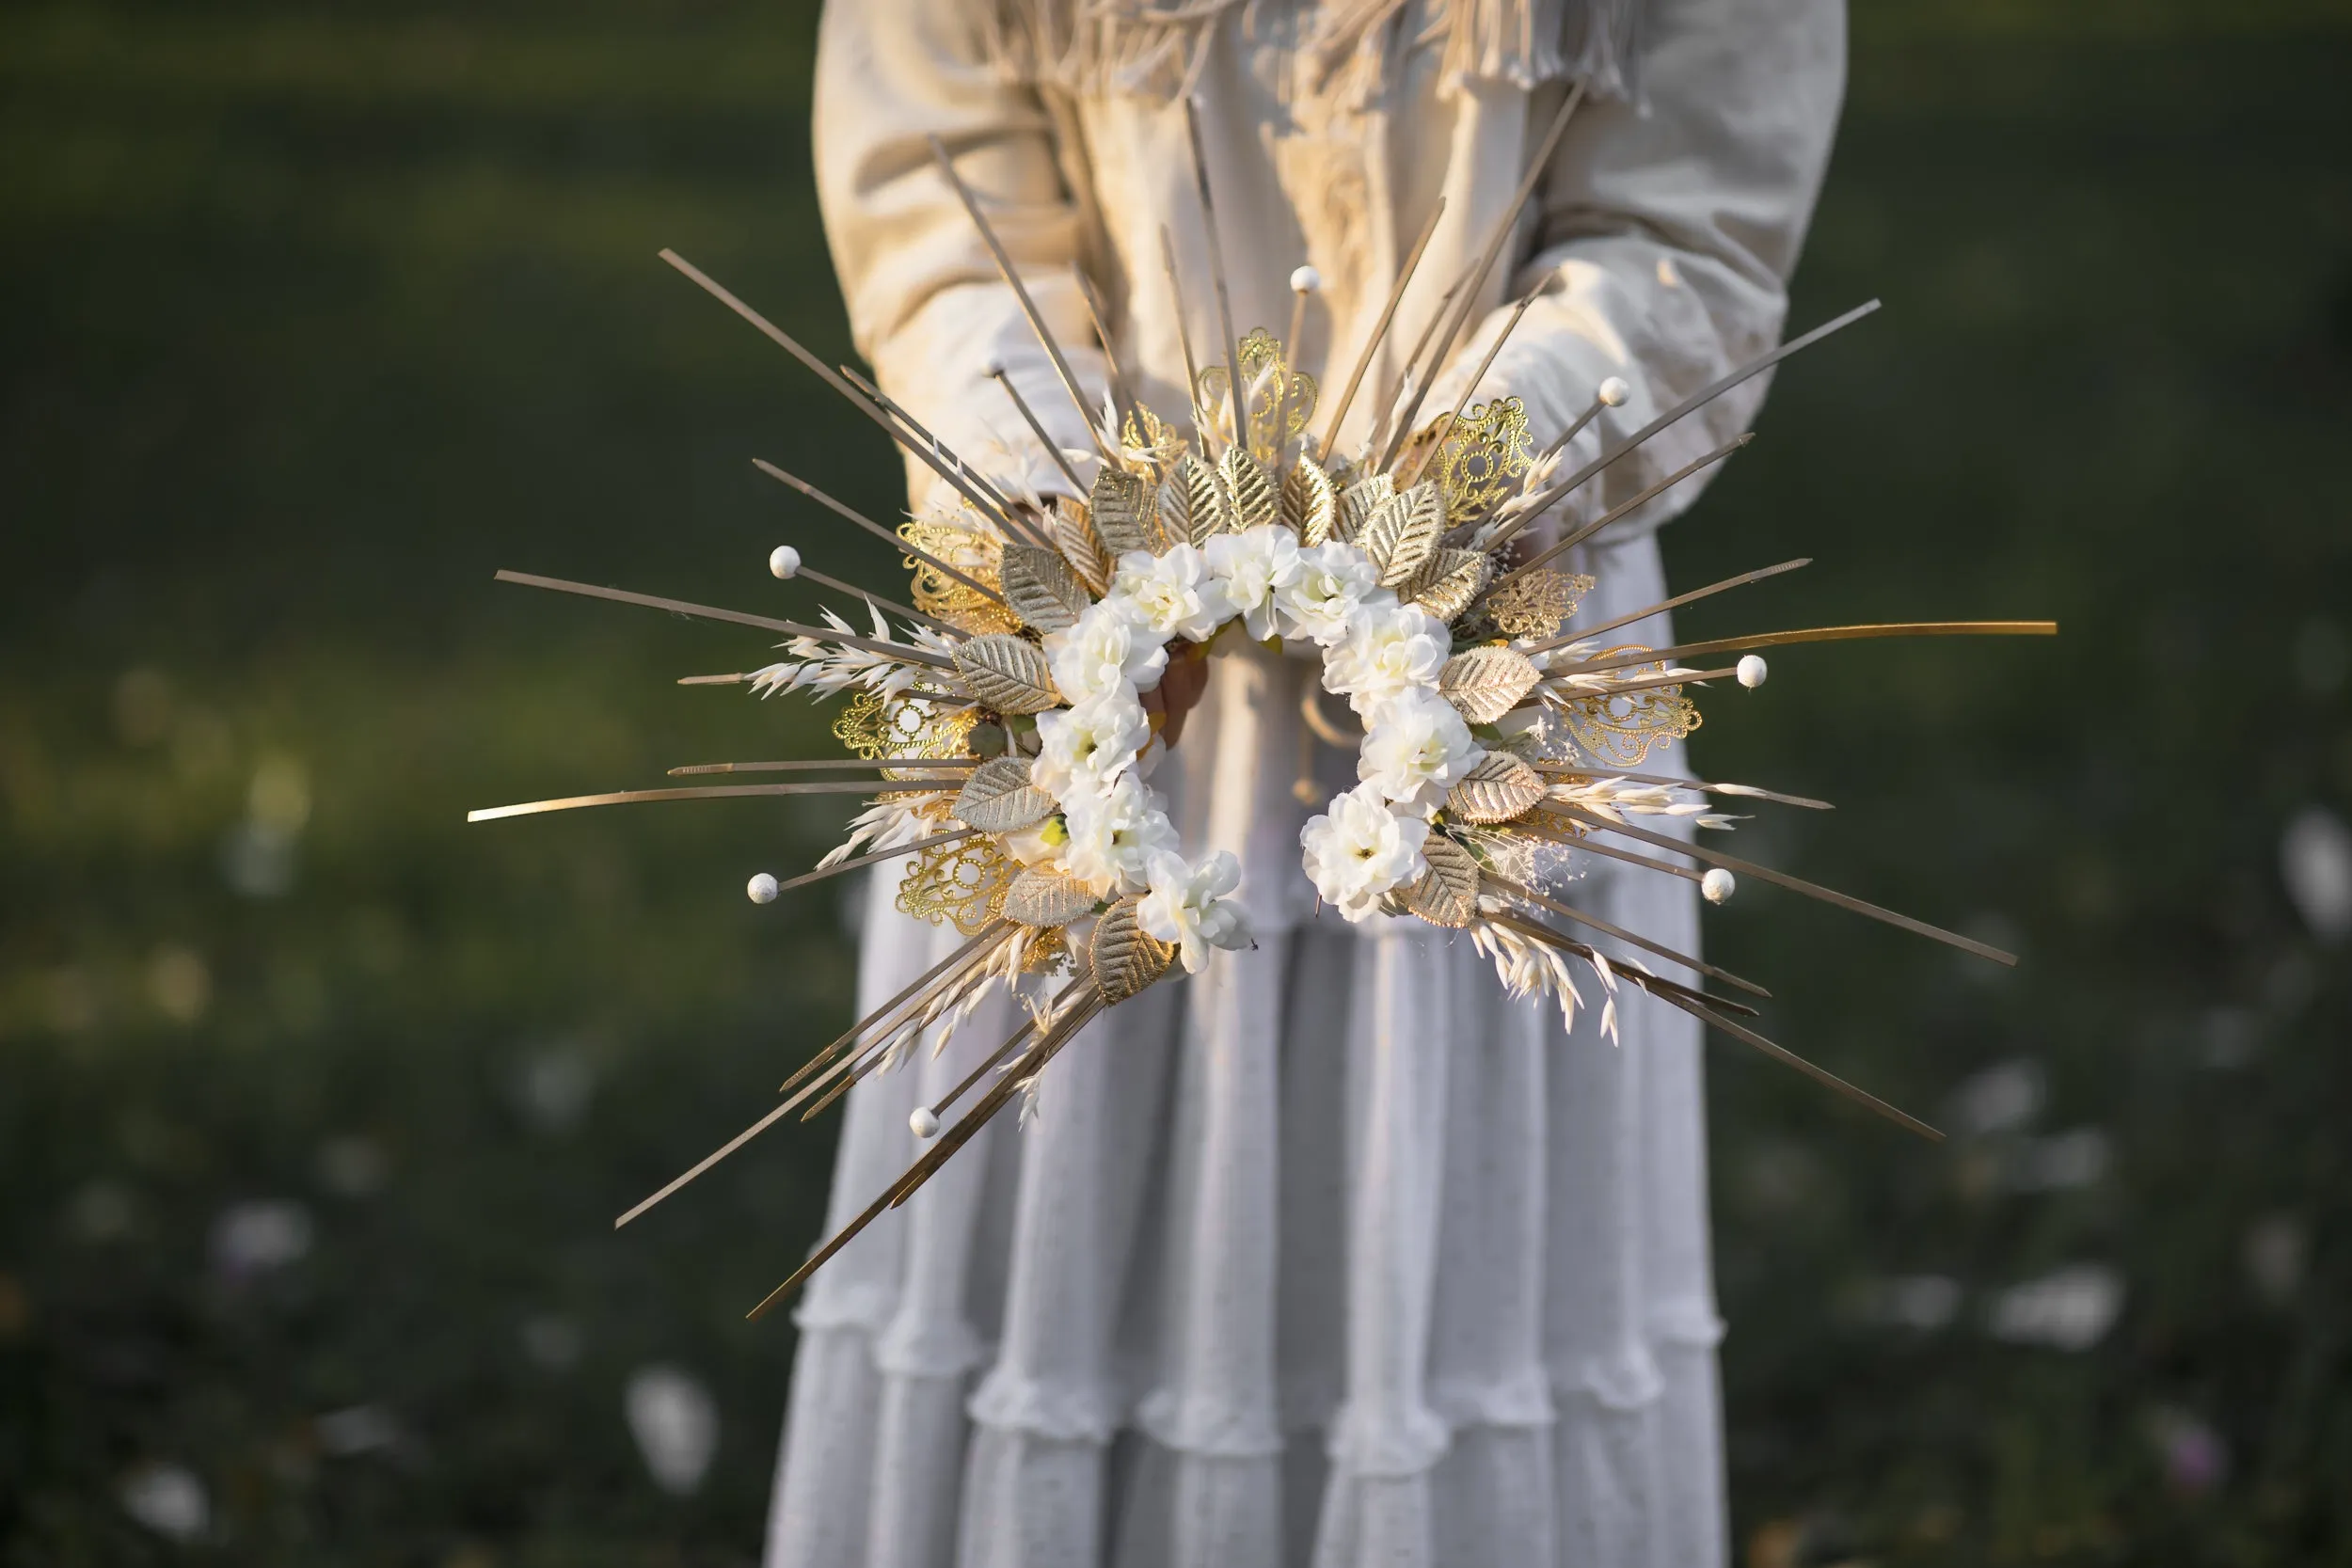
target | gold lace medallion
[
  {"x": 964, "y": 881},
  {"x": 1278, "y": 397},
  {"x": 1537, "y": 603}
]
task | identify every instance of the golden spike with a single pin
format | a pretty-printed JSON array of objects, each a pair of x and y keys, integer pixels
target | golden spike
[
  {"x": 1504, "y": 222},
  {"x": 698, "y": 792},
  {"x": 861, "y": 765},
  {"x": 916, "y": 1175},
  {"x": 740, "y": 1139},
  {"x": 1662, "y": 606},
  {"x": 952, "y": 474},
  {"x": 706, "y": 612},
  {"x": 1184, "y": 336},
  {"x": 1429, "y": 452},
  {"x": 1235, "y": 391},
  {"x": 1700, "y": 399},
  {"x": 997, "y": 373},
  {"x": 960, "y": 956},
  {"x": 1578, "y": 536},
  {"x": 1020, "y": 293},
  {"x": 1817, "y": 634},
  {"x": 896, "y": 543},
  {"x": 1795, "y": 884},
  {"x": 1566, "y": 912},
  {"x": 1585, "y": 770},
  {"x": 1380, "y": 327}
]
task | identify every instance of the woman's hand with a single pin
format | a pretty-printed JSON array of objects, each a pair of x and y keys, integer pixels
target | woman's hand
[{"x": 1178, "y": 691}]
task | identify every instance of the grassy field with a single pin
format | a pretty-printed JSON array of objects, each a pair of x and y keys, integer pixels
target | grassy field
[{"x": 315, "y": 1104}]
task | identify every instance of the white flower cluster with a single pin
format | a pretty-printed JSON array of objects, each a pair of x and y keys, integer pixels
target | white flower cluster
[{"x": 1112, "y": 830}]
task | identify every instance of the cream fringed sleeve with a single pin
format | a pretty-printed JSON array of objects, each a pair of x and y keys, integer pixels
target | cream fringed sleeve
[{"x": 1329, "y": 1254}]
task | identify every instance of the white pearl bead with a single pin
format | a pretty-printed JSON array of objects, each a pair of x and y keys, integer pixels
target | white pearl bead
[
  {"x": 761, "y": 888},
  {"x": 923, "y": 1122},
  {"x": 1306, "y": 280},
  {"x": 1614, "y": 393},
  {"x": 783, "y": 561},
  {"x": 1717, "y": 885},
  {"x": 1752, "y": 671}
]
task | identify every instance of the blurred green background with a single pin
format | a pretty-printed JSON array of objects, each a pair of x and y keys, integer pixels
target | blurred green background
[{"x": 316, "y": 1104}]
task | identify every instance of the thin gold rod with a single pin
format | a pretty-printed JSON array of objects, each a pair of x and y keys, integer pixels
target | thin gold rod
[
  {"x": 1576, "y": 427},
  {"x": 1290, "y": 358},
  {"x": 1789, "y": 1058},
  {"x": 1123, "y": 391},
  {"x": 1657, "y": 684},
  {"x": 1383, "y": 430},
  {"x": 1505, "y": 221},
  {"x": 905, "y": 612},
  {"x": 697, "y": 792},
  {"x": 915, "y": 428},
  {"x": 1662, "y": 606},
  {"x": 1183, "y": 337},
  {"x": 961, "y": 955},
  {"x": 835, "y": 765},
  {"x": 1235, "y": 393},
  {"x": 1646, "y": 979},
  {"x": 950, "y": 1141},
  {"x": 1029, "y": 417},
  {"x": 706, "y": 612},
  {"x": 1429, "y": 452},
  {"x": 858, "y": 400},
  {"x": 1712, "y": 1010},
  {"x": 1819, "y": 634},
  {"x": 736, "y": 679},
  {"x": 1021, "y": 293},
  {"x": 1695, "y": 965},
  {"x": 1607, "y": 851},
  {"x": 992, "y": 1060},
  {"x": 1795, "y": 884},
  {"x": 894, "y": 540},
  {"x": 1701, "y": 398},
  {"x": 720, "y": 1153},
  {"x": 1380, "y": 327},
  {"x": 1578, "y": 536},
  {"x": 837, "y": 867},
  {"x": 1033, "y": 1062},
  {"x": 1585, "y": 770}
]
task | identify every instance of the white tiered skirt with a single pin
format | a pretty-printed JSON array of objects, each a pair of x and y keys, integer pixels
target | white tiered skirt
[{"x": 1330, "y": 1255}]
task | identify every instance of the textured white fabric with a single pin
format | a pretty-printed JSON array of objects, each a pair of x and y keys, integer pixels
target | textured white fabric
[{"x": 1330, "y": 1255}]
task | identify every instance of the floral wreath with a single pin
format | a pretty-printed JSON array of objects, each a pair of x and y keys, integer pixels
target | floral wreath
[{"x": 1001, "y": 721}]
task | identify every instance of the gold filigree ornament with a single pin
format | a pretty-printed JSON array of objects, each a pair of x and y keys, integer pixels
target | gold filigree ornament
[
  {"x": 1281, "y": 399},
  {"x": 1483, "y": 459},
  {"x": 964, "y": 881},
  {"x": 1621, "y": 729},
  {"x": 972, "y": 547},
  {"x": 873, "y": 726},
  {"x": 1150, "y": 442},
  {"x": 1537, "y": 603}
]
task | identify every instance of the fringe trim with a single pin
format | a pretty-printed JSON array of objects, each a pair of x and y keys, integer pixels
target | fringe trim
[{"x": 1157, "y": 48}]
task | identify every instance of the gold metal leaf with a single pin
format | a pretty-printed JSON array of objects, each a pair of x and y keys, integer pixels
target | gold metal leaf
[
  {"x": 1484, "y": 684},
  {"x": 965, "y": 882},
  {"x": 1042, "y": 898},
  {"x": 1042, "y": 589},
  {"x": 1498, "y": 789},
  {"x": 1192, "y": 503},
  {"x": 1125, "y": 957},
  {"x": 1401, "y": 534},
  {"x": 1080, "y": 546},
  {"x": 1536, "y": 603},
  {"x": 1000, "y": 798},
  {"x": 1121, "y": 506},
  {"x": 1447, "y": 894},
  {"x": 1357, "y": 501},
  {"x": 1007, "y": 673},
  {"x": 1449, "y": 583},
  {"x": 1309, "y": 506},
  {"x": 1248, "y": 490}
]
